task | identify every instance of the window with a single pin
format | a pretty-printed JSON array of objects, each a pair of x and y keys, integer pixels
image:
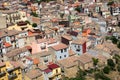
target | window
[
  {"x": 61, "y": 50},
  {"x": 60, "y": 57},
  {"x": 64, "y": 55},
  {"x": 46, "y": 59},
  {"x": 78, "y": 46},
  {"x": 78, "y": 50},
  {"x": 65, "y": 50},
  {"x": 75, "y": 45},
  {"x": 56, "y": 71}
]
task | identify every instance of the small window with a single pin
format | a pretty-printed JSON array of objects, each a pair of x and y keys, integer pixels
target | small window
[
  {"x": 56, "y": 71},
  {"x": 64, "y": 55},
  {"x": 65, "y": 50},
  {"x": 75, "y": 45},
  {"x": 60, "y": 57},
  {"x": 61, "y": 50},
  {"x": 78, "y": 46}
]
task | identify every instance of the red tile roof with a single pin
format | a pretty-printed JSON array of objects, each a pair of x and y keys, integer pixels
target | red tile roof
[
  {"x": 36, "y": 61},
  {"x": 47, "y": 70},
  {"x": 6, "y": 44},
  {"x": 53, "y": 66},
  {"x": 59, "y": 46},
  {"x": 28, "y": 47}
]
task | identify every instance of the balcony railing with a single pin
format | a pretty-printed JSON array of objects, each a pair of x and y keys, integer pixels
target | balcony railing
[{"x": 12, "y": 76}]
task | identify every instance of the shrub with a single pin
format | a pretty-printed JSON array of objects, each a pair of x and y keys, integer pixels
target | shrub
[
  {"x": 34, "y": 25},
  {"x": 106, "y": 70}
]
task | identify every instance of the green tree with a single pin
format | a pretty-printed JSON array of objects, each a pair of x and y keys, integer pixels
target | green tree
[
  {"x": 34, "y": 25},
  {"x": 118, "y": 68},
  {"x": 95, "y": 61},
  {"x": 28, "y": 22},
  {"x": 106, "y": 69},
  {"x": 118, "y": 44},
  {"x": 61, "y": 15},
  {"x": 117, "y": 58},
  {"x": 110, "y": 3},
  {"x": 114, "y": 40},
  {"x": 101, "y": 76},
  {"x": 111, "y": 63},
  {"x": 80, "y": 75},
  {"x": 34, "y": 14}
]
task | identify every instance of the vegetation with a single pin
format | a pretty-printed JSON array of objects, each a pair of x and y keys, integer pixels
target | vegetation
[
  {"x": 114, "y": 40},
  {"x": 101, "y": 76},
  {"x": 34, "y": 25},
  {"x": 79, "y": 9},
  {"x": 110, "y": 3},
  {"x": 61, "y": 15},
  {"x": 27, "y": 22},
  {"x": 106, "y": 69},
  {"x": 118, "y": 45},
  {"x": 95, "y": 61},
  {"x": 111, "y": 63},
  {"x": 34, "y": 14}
]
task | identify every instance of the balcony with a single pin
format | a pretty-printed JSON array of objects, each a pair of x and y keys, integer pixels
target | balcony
[
  {"x": 12, "y": 76},
  {"x": 50, "y": 75},
  {"x": 2, "y": 73}
]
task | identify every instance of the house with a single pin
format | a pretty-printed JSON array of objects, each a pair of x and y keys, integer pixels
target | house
[
  {"x": 18, "y": 53},
  {"x": 86, "y": 32},
  {"x": 46, "y": 57},
  {"x": 53, "y": 72},
  {"x": 3, "y": 22},
  {"x": 85, "y": 61},
  {"x": 61, "y": 51},
  {"x": 7, "y": 47},
  {"x": 36, "y": 33},
  {"x": 9, "y": 71},
  {"x": 105, "y": 13},
  {"x": 20, "y": 26},
  {"x": 39, "y": 46},
  {"x": 79, "y": 46},
  {"x": 101, "y": 55},
  {"x": 69, "y": 66},
  {"x": 115, "y": 9},
  {"x": 49, "y": 33},
  {"x": 12, "y": 16},
  {"x": 66, "y": 39},
  {"x": 34, "y": 74}
]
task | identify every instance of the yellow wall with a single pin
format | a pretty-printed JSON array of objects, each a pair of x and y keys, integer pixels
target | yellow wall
[{"x": 17, "y": 71}]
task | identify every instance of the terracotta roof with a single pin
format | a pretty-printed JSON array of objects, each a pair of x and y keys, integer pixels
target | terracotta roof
[
  {"x": 85, "y": 58},
  {"x": 52, "y": 40},
  {"x": 36, "y": 61},
  {"x": 68, "y": 62},
  {"x": 15, "y": 52},
  {"x": 54, "y": 20},
  {"x": 41, "y": 40},
  {"x": 2, "y": 64},
  {"x": 42, "y": 67},
  {"x": 14, "y": 63},
  {"x": 68, "y": 37},
  {"x": 79, "y": 41},
  {"x": 71, "y": 52},
  {"x": 32, "y": 74},
  {"x": 28, "y": 47},
  {"x": 6, "y": 44},
  {"x": 59, "y": 46},
  {"x": 36, "y": 20},
  {"x": 47, "y": 70},
  {"x": 53, "y": 66}
]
